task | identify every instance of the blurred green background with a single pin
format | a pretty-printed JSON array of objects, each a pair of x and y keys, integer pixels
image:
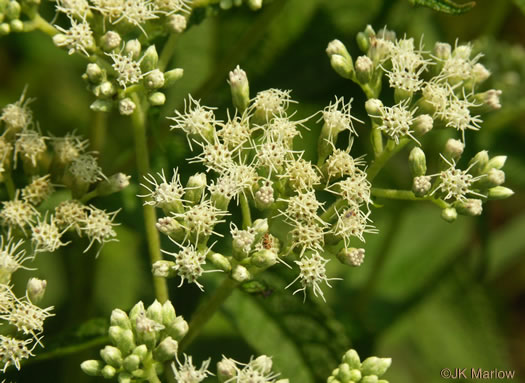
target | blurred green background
[{"x": 430, "y": 294}]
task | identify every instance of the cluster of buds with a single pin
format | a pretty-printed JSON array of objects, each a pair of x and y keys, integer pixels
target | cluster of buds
[
  {"x": 432, "y": 90},
  {"x": 13, "y": 15},
  {"x": 250, "y": 160},
  {"x": 352, "y": 370},
  {"x": 20, "y": 316},
  {"x": 256, "y": 370},
  {"x": 253, "y": 4},
  {"x": 45, "y": 163},
  {"x": 141, "y": 343}
]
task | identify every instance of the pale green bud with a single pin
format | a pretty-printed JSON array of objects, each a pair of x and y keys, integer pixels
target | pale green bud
[
  {"x": 148, "y": 331},
  {"x": 480, "y": 73},
  {"x": 94, "y": 73},
  {"x": 168, "y": 313},
  {"x": 112, "y": 356},
  {"x": 16, "y": 25},
  {"x": 479, "y": 163},
  {"x": 122, "y": 338},
  {"x": 101, "y": 105},
  {"x": 351, "y": 357},
  {"x": 5, "y": 29},
  {"x": 125, "y": 377},
  {"x": 136, "y": 311},
  {"x": 454, "y": 149},
  {"x": 157, "y": 98},
  {"x": 471, "y": 207},
  {"x": 59, "y": 39},
  {"x": 264, "y": 259},
  {"x": 449, "y": 214},
  {"x": 126, "y": 106},
  {"x": 442, "y": 50},
  {"x": 171, "y": 76},
  {"x": 490, "y": 99},
  {"x": 163, "y": 269},
  {"x": 12, "y": 11},
  {"x": 495, "y": 177},
  {"x": 421, "y": 185},
  {"x": 141, "y": 351},
  {"x": 115, "y": 183},
  {"x": 254, "y": 4},
  {"x": 107, "y": 89},
  {"x": 333, "y": 379},
  {"x": 351, "y": 256},
  {"x": 364, "y": 68},
  {"x": 363, "y": 42},
  {"x": 375, "y": 366},
  {"x": 262, "y": 364},
  {"x": 171, "y": 227},
  {"x": 133, "y": 47},
  {"x": 226, "y": 370},
  {"x": 92, "y": 367},
  {"x": 260, "y": 227},
  {"x": 150, "y": 59},
  {"x": 369, "y": 379},
  {"x": 417, "y": 162},
  {"x": 336, "y": 47},
  {"x": 497, "y": 162},
  {"x": 139, "y": 373},
  {"x": 373, "y": 106},
  {"x": 219, "y": 261},
  {"x": 131, "y": 362},
  {"x": 154, "y": 79},
  {"x": 36, "y": 289},
  {"x": 154, "y": 311},
  {"x": 166, "y": 350},
  {"x": 423, "y": 124},
  {"x": 108, "y": 372},
  {"x": 241, "y": 273},
  {"x": 344, "y": 372},
  {"x": 177, "y": 23},
  {"x": 109, "y": 41},
  {"x": 195, "y": 188},
  {"x": 342, "y": 66},
  {"x": 499, "y": 192},
  {"x": 240, "y": 89},
  {"x": 178, "y": 328},
  {"x": 355, "y": 375}
]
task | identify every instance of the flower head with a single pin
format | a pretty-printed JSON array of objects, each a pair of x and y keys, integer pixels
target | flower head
[
  {"x": 396, "y": 121},
  {"x": 456, "y": 184},
  {"x": 78, "y": 38},
  {"x": 13, "y": 350},
  {"x": 188, "y": 263},
  {"x": 30, "y": 144},
  {"x": 272, "y": 102},
  {"x": 164, "y": 194},
  {"x": 337, "y": 117},
  {"x": 98, "y": 226},
  {"x": 128, "y": 70},
  {"x": 46, "y": 235},
  {"x": 85, "y": 169},
  {"x": 18, "y": 116},
  {"x": 38, "y": 190},
  {"x": 187, "y": 373}
]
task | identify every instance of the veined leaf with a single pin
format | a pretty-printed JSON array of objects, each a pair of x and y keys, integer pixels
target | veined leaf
[{"x": 445, "y": 6}]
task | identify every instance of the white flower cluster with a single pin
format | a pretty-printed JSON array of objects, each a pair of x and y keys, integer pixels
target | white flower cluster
[{"x": 256, "y": 370}]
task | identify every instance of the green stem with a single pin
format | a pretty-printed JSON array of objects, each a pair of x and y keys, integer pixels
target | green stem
[
  {"x": 41, "y": 24},
  {"x": 246, "y": 213},
  {"x": 10, "y": 185},
  {"x": 377, "y": 140},
  {"x": 149, "y": 370},
  {"x": 206, "y": 311},
  {"x": 150, "y": 217},
  {"x": 374, "y": 169},
  {"x": 406, "y": 195},
  {"x": 329, "y": 213},
  {"x": 98, "y": 131},
  {"x": 167, "y": 52}
]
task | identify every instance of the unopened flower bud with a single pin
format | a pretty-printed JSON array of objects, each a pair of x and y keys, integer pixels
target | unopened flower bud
[
  {"x": 101, "y": 106},
  {"x": 423, "y": 124},
  {"x": 136, "y": 311},
  {"x": 417, "y": 162},
  {"x": 363, "y": 69},
  {"x": 126, "y": 106},
  {"x": 125, "y": 377},
  {"x": 109, "y": 41},
  {"x": 355, "y": 375},
  {"x": 171, "y": 76},
  {"x": 499, "y": 192},
  {"x": 442, "y": 50},
  {"x": 178, "y": 328},
  {"x": 4, "y": 29},
  {"x": 154, "y": 79},
  {"x": 421, "y": 185},
  {"x": 195, "y": 188},
  {"x": 264, "y": 259},
  {"x": 471, "y": 207},
  {"x": 171, "y": 227},
  {"x": 117, "y": 182},
  {"x": 363, "y": 42},
  {"x": 373, "y": 106},
  {"x": 112, "y": 356},
  {"x": 166, "y": 350},
  {"x": 490, "y": 98},
  {"x": 16, "y": 25},
  {"x": 351, "y": 256},
  {"x": 375, "y": 366},
  {"x": 497, "y": 162},
  {"x": 220, "y": 261},
  {"x": 454, "y": 149},
  {"x": 36, "y": 288},
  {"x": 370, "y": 379},
  {"x": 262, "y": 364},
  {"x": 351, "y": 357},
  {"x": 94, "y": 73},
  {"x": 226, "y": 370},
  {"x": 343, "y": 67},
  {"x": 240, "y": 89},
  {"x": 122, "y": 338},
  {"x": 141, "y": 351},
  {"x": 12, "y": 10},
  {"x": 150, "y": 59},
  {"x": 478, "y": 163},
  {"x": 133, "y": 48},
  {"x": 344, "y": 373},
  {"x": 120, "y": 318},
  {"x": 157, "y": 99},
  {"x": 154, "y": 311},
  {"x": 107, "y": 89},
  {"x": 449, "y": 214},
  {"x": 254, "y": 4},
  {"x": 241, "y": 274},
  {"x": 108, "y": 372},
  {"x": 163, "y": 269},
  {"x": 479, "y": 73},
  {"x": 131, "y": 362},
  {"x": 495, "y": 177},
  {"x": 177, "y": 23},
  {"x": 92, "y": 367}
]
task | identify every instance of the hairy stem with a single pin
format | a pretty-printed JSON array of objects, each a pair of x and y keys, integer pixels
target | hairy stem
[
  {"x": 150, "y": 217},
  {"x": 206, "y": 311},
  {"x": 406, "y": 195}
]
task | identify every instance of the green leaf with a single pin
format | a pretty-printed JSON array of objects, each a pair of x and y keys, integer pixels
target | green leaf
[
  {"x": 305, "y": 341},
  {"x": 506, "y": 246},
  {"x": 445, "y": 6}
]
